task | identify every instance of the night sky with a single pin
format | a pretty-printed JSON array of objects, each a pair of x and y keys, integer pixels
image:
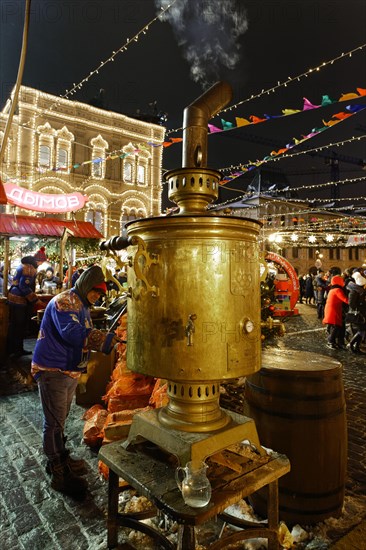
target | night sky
[{"x": 252, "y": 44}]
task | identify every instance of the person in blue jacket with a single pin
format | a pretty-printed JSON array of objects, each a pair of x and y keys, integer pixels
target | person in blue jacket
[
  {"x": 65, "y": 339},
  {"x": 22, "y": 300}
]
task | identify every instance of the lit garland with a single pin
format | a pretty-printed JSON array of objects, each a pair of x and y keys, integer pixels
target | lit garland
[
  {"x": 284, "y": 83},
  {"x": 290, "y": 155},
  {"x": 293, "y": 79},
  {"x": 329, "y": 183},
  {"x": 249, "y": 194},
  {"x": 307, "y": 106},
  {"x": 282, "y": 153},
  {"x": 129, "y": 41},
  {"x": 122, "y": 49}
]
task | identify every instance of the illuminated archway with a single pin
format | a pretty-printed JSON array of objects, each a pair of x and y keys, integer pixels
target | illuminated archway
[{"x": 287, "y": 285}]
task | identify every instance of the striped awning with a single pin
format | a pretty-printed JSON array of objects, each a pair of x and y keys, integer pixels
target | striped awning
[{"x": 12, "y": 225}]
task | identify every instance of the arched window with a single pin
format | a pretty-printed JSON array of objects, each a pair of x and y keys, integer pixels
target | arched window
[
  {"x": 141, "y": 175},
  {"x": 62, "y": 158},
  {"x": 128, "y": 171},
  {"x": 98, "y": 156},
  {"x": 127, "y": 216},
  {"x": 97, "y": 167},
  {"x": 96, "y": 217},
  {"x": 45, "y": 156},
  {"x": 64, "y": 149}
]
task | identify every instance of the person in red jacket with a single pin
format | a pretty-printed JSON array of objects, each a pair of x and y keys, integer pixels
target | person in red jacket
[{"x": 333, "y": 316}]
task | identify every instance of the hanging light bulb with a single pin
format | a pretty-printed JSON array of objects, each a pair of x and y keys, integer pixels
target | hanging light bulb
[{"x": 312, "y": 239}]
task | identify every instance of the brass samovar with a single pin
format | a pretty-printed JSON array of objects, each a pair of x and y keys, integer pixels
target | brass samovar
[{"x": 194, "y": 302}]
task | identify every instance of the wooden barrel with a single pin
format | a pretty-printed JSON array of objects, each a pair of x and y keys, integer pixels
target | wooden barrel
[{"x": 298, "y": 405}]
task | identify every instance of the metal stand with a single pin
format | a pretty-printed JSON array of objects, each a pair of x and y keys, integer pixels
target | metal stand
[{"x": 188, "y": 446}]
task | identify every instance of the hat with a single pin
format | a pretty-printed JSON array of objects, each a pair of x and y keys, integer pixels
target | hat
[
  {"x": 359, "y": 280},
  {"x": 102, "y": 288},
  {"x": 40, "y": 256},
  {"x": 337, "y": 280},
  {"x": 30, "y": 260}
]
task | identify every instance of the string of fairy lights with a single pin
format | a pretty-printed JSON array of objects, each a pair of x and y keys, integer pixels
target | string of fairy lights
[
  {"x": 284, "y": 83},
  {"x": 290, "y": 79},
  {"x": 345, "y": 181},
  {"x": 296, "y": 153},
  {"x": 114, "y": 54},
  {"x": 78, "y": 86}
]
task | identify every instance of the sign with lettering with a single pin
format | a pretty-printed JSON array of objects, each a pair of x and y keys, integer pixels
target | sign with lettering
[{"x": 43, "y": 202}]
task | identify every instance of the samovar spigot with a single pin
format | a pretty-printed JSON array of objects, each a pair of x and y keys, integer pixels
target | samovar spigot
[{"x": 190, "y": 328}]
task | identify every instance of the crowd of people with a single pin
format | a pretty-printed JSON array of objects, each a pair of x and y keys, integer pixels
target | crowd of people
[{"x": 340, "y": 300}]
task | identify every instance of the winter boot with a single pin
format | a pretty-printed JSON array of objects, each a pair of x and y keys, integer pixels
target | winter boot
[
  {"x": 65, "y": 481},
  {"x": 77, "y": 466}
]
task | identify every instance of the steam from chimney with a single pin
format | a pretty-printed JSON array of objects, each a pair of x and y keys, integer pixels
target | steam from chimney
[{"x": 208, "y": 32}]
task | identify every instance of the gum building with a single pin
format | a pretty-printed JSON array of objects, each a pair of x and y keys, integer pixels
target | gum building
[{"x": 59, "y": 146}]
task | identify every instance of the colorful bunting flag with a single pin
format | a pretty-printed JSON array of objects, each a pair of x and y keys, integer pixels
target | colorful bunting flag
[
  {"x": 241, "y": 121},
  {"x": 308, "y": 105},
  {"x": 227, "y": 125},
  {"x": 214, "y": 129},
  {"x": 288, "y": 112},
  {"x": 326, "y": 101},
  {"x": 256, "y": 120},
  {"x": 348, "y": 97}
]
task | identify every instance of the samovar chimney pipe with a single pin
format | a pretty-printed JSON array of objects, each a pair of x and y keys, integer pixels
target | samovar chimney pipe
[
  {"x": 195, "y": 123},
  {"x": 194, "y": 186}
]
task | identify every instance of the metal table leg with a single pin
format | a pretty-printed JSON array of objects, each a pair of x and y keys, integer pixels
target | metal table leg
[
  {"x": 112, "y": 521},
  {"x": 186, "y": 538}
]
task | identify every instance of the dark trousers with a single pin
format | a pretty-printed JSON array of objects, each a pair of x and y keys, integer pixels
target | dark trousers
[
  {"x": 18, "y": 323},
  {"x": 358, "y": 336},
  {"x": 56, "y": 391},
  {"x": 320, "y": 309},
  {"x": 334, "y": 334}
]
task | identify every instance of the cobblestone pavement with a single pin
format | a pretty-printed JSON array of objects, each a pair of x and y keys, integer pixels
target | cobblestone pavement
[{"x": 33, "y": 516}]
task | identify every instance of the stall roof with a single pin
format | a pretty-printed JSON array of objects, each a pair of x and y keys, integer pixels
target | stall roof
[{"x": 12, "y": 225}]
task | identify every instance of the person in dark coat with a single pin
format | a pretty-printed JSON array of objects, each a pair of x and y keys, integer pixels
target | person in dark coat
[
  {"x": 321, "y": 285},
  {"x": 309, "y": 290},
  {"x": 22, "y": 299},
  {"x": 302, "y": 283},
  {"x": 333, "y": 316},
  {"x": 357, "y": 303}
]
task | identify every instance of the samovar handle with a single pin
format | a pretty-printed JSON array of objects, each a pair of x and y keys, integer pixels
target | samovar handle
[{"x": 149, "y": 259}]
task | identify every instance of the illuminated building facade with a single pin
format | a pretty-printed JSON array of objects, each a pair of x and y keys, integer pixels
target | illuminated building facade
[
  {"x": 58, "y": 146},
  {"x": 307, "y": 237}
]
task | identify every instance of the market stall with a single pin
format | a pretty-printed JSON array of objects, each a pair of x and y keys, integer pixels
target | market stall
[{"x": 17, "y": 227}]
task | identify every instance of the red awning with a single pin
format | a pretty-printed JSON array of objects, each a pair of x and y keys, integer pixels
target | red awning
[{"x": 11, "y": 225}]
